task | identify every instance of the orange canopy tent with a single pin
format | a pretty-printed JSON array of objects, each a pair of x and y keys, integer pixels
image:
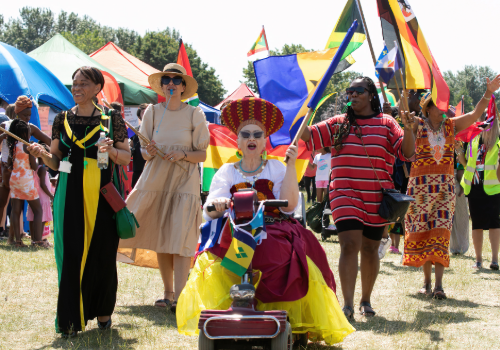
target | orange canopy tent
[
  {"x": 242, "y": 91},
  {"x": 124, "y": 64}
]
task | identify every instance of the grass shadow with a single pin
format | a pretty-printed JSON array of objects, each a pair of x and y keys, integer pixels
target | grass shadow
[
  {"x": 399, "y": 267},
  {"x": 462, "y": 257},
  {"x": 457, "y": 303},
  {"x": 423, "y": 320},
  {"x": 93, "y": 339},
  {"x": 160, "y": 317}
]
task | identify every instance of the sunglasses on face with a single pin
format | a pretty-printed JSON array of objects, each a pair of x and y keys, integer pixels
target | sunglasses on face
[
  {"x": 359, "y": 89},
  {"x": 256, "y": 134},
  {"x": 166, "y": 80}
]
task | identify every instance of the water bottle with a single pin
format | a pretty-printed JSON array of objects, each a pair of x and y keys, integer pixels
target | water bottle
[{"x": 102, "y": 157}]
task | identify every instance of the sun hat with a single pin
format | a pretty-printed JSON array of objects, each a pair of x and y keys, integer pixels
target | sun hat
[
  {"x": 176, "y": 69},
  {"x": 252, "y": 110}
]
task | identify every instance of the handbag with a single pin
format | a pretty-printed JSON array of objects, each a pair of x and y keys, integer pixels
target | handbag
[
  {"x": 394, "y": 203},
  {"x": 314, "y": 215},
  {"x": 126, "y": 222}
]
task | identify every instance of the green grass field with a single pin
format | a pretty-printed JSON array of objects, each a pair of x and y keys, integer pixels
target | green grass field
[{"x": 468, "y": 319}]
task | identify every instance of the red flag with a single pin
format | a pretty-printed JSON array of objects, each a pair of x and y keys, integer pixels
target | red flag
[{"x": 182, "y": 58}]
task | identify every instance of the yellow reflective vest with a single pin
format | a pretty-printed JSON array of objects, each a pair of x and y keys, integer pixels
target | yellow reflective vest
[{"x": 491, "y": 184}]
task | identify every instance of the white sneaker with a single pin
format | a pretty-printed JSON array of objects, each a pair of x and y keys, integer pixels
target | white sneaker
[{"x": 385, "y": 243}]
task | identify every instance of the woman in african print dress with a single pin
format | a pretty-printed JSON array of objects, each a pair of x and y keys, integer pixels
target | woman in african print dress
[{"x": 430, "y": 218}]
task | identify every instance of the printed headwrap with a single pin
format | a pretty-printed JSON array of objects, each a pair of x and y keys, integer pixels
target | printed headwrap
[{"x": 22, "y": 103}]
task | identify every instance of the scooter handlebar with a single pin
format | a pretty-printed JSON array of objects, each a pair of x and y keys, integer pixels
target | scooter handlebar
[{"x": 270, "y": 203}]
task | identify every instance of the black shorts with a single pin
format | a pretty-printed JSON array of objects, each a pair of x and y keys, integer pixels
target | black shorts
[{"x": 370, "y": 232}]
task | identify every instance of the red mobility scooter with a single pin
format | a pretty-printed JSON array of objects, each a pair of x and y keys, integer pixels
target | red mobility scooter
[{"x": 242, "y": 326}]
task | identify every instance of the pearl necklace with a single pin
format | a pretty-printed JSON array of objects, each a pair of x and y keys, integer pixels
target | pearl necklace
[{"x": 254, "y": 178}]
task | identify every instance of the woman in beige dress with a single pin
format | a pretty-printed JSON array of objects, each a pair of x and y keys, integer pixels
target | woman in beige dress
[{"x": 166, "y": 199}]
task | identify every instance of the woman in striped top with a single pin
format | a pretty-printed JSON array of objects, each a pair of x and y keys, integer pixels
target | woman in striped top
[{"x": 355, "y": 193}]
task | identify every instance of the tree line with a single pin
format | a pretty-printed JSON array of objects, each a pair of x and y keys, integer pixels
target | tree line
[{"x": 35, "y": 26}]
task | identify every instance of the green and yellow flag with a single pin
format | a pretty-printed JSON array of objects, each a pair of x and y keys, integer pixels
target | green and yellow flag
[
  {"x": 350, "y": 13},
  {"x": 260, "y": 44}
]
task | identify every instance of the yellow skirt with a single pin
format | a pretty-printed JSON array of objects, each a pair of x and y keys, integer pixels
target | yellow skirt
[{"x": 318, "y": 312}]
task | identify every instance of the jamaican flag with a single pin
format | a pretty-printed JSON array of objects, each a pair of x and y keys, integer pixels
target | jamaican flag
[
  {"x": 242, "y": 248},
  {"x": 349, "y": 14}
]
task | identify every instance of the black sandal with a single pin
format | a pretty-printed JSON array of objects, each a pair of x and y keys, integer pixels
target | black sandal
[
  {"x": 348, "y": 313},
  {"x": 104, "y": 325},
  {"x": 439, "y": 293},
  {"x": 163, "y": 301},
  {"x": 366, "y": 313},
  {"x": 66, "y": 335}
]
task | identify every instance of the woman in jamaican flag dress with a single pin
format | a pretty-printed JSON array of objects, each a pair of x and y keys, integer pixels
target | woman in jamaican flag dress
[
  {"x": 85, "y": 233},
  {"x": 293, "y": 267}
]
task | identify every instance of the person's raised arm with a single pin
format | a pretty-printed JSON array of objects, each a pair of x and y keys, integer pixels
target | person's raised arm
[
  {"x": 39, "y": 134},
  {"x": 464, "y": 121},
  {"x": 290, "y": 185},
  {"x": 306, "y": 135}
]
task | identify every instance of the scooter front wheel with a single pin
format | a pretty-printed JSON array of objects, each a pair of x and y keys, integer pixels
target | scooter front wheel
[
  {"x": 284, "y": 340},
  {"x": 205, "y": 343}
]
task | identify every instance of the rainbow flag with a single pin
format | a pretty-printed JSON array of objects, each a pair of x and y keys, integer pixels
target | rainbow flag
[
  {"x": 223, "y": 147},
  {"x": 422, "y": 72},
  {"x": 260, "y": 44},
  {"x": 183, "y": 60}
]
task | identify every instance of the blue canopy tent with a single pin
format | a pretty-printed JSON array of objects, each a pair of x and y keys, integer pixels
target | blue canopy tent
[
  {"x": 22, "y": 75},
  {"x": 212, "y": 114}
]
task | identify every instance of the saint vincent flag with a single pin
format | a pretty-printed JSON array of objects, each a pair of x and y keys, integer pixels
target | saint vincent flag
[
  {"x": 183, "y": 60},
  {"x": 421, "y": 70},
  {"x": 223, "y": 146},
  {"x": 242, "y": 248},
  {"x": 349, "y": 14},
  {"x": 260, "y": 44}
]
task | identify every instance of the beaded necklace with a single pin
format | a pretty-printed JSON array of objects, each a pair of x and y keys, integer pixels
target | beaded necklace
[{"x": 254, "y": 178}]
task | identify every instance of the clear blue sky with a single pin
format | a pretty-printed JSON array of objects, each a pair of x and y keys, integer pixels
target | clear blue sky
[{"x": 458, "y": 32}]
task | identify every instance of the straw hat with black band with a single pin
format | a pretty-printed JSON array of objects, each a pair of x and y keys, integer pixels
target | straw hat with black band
[{"x": 175, "y": 69}]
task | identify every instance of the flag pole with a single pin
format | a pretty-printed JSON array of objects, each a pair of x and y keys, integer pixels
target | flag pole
[
  {"x": 405, "y": 99},
  {"x": 371, "y": 48},
  {"x": 320, "y": 89},
  {"x": 405, "y": 94}
]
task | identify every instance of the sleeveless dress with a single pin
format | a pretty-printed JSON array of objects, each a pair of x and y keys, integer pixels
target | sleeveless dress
[
  {"x": 85, "y": 237},
  {"x": 429, "y": 219},
  {"x": 293, "y": 268},
  {"x": 22, "y": 183}
]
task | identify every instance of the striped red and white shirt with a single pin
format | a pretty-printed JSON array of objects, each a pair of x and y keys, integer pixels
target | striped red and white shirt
[{"x": 355, "y": 192}]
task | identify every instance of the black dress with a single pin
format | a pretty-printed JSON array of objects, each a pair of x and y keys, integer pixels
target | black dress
[{"x": 85, "y": 234}]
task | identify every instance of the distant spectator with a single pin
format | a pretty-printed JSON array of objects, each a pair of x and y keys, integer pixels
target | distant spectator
[
  {"x": 10, "y": 111},
  {"x": 4, "y": 105},
  {"x": 135, "y": 147}
]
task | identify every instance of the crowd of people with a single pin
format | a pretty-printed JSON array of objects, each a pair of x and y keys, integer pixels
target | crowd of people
[{"x": 354, "y": 156}]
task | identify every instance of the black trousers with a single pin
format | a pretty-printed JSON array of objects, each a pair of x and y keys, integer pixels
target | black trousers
[{"x": 308, "y": 180}]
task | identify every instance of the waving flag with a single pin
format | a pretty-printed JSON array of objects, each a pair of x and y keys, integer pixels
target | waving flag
[
  {"x": 242, "y": 248},
  {"x": 223, "y": 146},
  {"x": 348, "y": 15},
  {"x": 210, "y": 232},
  {"x": 183, "y": 60},
  {"x": 422, "y": 72},
  {"x": 388, "y": 63},
  {"x": 260, "y": 44},
  {"x": 475, "y": 129},
  {"x": 294, "y": 83},
  {"x": 460, "y": 108}
]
